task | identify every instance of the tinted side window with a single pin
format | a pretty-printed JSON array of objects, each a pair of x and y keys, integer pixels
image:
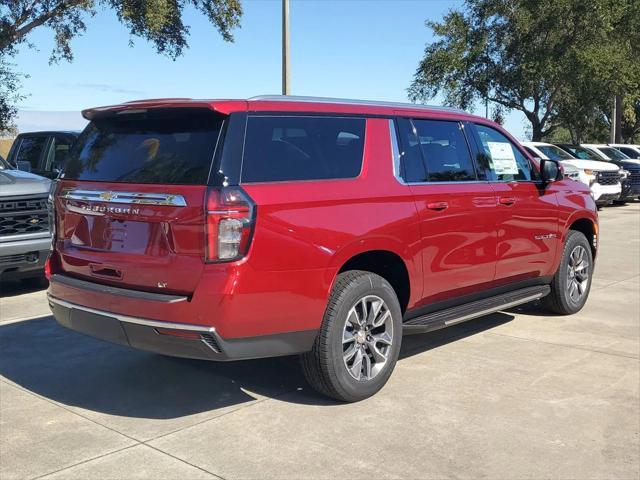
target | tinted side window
[
  {"x": 30, "y": 150},
  {"x": 502, "y": 160},
  {"x": 445, "y": 151},
  {"x": 280, "y": 148},
  {"x": 412, "y": 167}
]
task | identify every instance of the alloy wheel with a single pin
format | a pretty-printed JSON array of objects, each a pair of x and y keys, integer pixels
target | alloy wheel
[
  {"x": 367, "y": 338},
  {"x": 578, "y": 273}
]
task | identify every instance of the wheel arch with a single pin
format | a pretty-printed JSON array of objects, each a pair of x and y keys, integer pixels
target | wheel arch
[
  {"x": 589, "y": 229},
  {"x": 383, "y": 260}
]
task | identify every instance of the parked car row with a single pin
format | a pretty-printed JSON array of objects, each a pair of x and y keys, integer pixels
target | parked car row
[{"x": 612, "y": 176}]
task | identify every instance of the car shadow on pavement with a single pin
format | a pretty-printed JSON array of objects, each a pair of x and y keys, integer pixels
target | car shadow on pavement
[
  {"x": 79, "y": 371},
  {"x": 12, "y": 288}
]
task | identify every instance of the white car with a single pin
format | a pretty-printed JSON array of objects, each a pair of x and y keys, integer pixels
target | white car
[
  {"x": 603, "y": 178},
  {"x": 631, "y": 151}
]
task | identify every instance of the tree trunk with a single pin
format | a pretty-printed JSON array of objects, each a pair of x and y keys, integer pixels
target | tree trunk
[
  {"x": 536, "y": 132},
  {"x": 616, "y": 120}
]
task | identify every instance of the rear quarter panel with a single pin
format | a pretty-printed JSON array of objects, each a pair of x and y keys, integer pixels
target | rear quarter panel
[{"x": 306, "y": 231}]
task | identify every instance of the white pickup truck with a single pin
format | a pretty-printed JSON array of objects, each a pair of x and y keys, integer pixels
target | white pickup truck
[
  {"x": 603, "y": 178},
  {"x": 25, "y": 231}
]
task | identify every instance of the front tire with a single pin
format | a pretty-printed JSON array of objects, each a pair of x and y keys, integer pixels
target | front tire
[
  {"x": 359, "y": 340},
  {"x": 572, "y": 282}
]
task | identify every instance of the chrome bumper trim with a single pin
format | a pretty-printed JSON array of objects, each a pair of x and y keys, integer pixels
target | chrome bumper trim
[
  {"x": 136, "y": 320},
  {"x": 136, "y": 198}
]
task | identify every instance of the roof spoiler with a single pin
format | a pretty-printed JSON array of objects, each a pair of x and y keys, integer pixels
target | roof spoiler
[{"x": 223, "y": 107}]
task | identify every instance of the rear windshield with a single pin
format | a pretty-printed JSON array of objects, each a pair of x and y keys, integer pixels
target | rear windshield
[{"x": 157, "y": 146}]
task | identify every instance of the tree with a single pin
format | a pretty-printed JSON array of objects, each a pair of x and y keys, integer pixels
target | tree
[
  {"x": 9, "y": 96},
  {"x": 525, "y": 55},
  {"x": 631, "y": 120},
  {"x": 158, "y": 21}
]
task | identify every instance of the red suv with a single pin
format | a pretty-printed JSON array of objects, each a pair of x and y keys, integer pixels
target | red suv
[{"x": 234, "y": 229}]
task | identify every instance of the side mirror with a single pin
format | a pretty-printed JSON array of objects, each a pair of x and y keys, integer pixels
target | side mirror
[
  {"x": 550, "y": 171},
  {"x": 23, "y": 165}
]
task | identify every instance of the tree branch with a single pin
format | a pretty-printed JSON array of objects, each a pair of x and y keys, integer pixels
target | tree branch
[{"x": 21, "y": 32}]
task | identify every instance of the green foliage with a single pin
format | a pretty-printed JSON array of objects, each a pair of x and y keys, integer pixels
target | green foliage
[
  {"x": 556, "y": 61},
  {"x": 158, "y": 21},
  {"x": 9, "y": 95}
]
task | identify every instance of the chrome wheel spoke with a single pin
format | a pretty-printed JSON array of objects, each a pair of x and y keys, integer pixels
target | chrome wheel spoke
[
  {"x": 572, "y": 290},
  {"x": 356, "y": 367},
  {"x": 581, "y": 287},
  {"x": 352, "y": 318},
  {"x": 366, "y": 363},
  {"x": 349, "y": 353},
  {"x": 377, "y": 354},
  {"x": 382, "y": 338},
  {"x": 382, "y": 318},
  {"x": 376, "y": 306},
  {"x": 348, "y": 336}
]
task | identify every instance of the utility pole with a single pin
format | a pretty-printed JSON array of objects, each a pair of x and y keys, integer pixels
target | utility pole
[
  {"x": 612, "y": 137},
  {"x": 285, "y": 48}
]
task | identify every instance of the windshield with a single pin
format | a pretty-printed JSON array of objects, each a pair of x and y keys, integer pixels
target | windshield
[
  {"x": 170, "y": 146},
  {"x": 613, "y": 154},
  {"x": 554, "y": 153},
  {"x": 583, "y": 153},
  {"x": 4, "y": 165}
]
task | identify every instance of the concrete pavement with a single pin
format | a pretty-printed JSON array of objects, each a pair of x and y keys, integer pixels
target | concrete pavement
[{"x": 518, "y": 394}]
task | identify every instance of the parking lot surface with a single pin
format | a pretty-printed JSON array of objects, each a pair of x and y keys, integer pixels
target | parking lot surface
[{"x": 517, "y": 394}]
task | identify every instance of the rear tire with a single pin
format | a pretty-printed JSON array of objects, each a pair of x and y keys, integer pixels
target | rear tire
[
  {"x": 359, "y": 341},
  {"x": 572, "y": 281}
]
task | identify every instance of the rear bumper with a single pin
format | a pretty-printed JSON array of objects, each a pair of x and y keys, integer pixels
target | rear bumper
[{"x": 178, "y": 340}]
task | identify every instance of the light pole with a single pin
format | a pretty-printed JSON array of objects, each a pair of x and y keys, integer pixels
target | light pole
[{"x": 285, "y": 48}]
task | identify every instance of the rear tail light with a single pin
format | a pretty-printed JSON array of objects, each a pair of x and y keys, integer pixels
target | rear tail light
[{"x": 230, "y": 217}]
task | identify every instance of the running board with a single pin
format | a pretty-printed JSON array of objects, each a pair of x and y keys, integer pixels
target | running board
[{"x": 462, "y": 313}]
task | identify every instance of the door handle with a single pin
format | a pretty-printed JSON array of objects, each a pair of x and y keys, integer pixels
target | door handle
[
  {"x": 507, "y": 201},
  {"x": 438, "y": 206}
]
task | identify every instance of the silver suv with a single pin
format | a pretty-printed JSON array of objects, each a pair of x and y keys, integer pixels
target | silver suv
[{"x": 25, "y": 231}]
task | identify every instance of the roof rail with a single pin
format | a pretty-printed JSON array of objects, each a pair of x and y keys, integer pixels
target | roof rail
[{"x": 348, "y": 101}]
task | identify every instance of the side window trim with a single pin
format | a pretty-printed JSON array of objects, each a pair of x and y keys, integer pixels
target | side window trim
[{"x": 395, "y": 151}]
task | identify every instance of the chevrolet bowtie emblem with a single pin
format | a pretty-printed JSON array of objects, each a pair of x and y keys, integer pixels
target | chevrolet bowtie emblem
[
  {"x": 107, "y": 196},
  {"x": 34, "y": 221}
]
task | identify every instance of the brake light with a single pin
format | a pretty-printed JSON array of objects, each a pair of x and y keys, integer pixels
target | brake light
[{"x": 230, "y": 217}]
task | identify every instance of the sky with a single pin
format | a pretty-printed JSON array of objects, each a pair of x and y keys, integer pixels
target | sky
[{"x": 365, "y": 49}]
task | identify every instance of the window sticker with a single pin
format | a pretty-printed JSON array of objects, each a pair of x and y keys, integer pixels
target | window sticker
[{"x": 503, "y": 158}]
